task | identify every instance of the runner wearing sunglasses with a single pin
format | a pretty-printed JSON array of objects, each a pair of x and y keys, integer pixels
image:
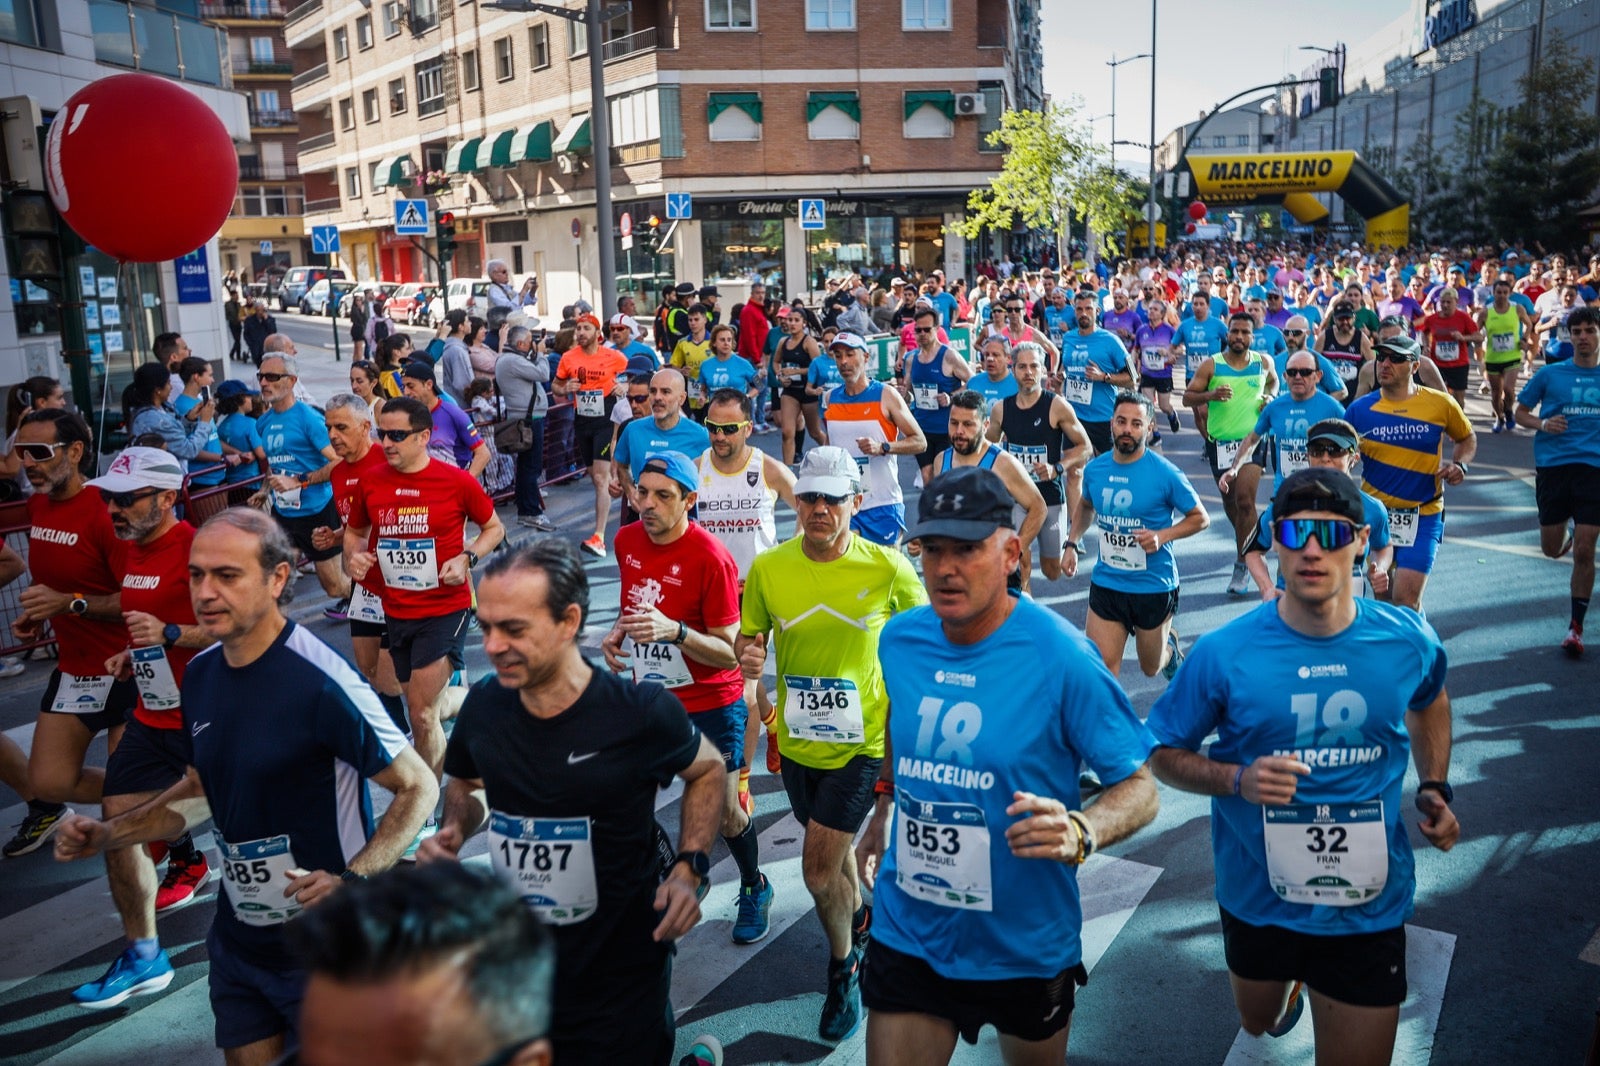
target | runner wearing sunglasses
[{"x": 1314, "y": 868}]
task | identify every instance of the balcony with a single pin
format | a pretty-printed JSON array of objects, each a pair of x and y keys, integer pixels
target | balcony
[
  {"x": 316, "y": 207},
  {"x": 631, "y": 44},
  {"x": 253, "y": 169},
  {"x": 320, "y": 141},
  {"x": 256, "y": 68},
  {"x": 272, "y": 119},
  {"x": 158, "y": 42},
  {"x": 302, "y": 11},
  {"x": 230, "y": 10},
  {"x": 309, "y": 77}
]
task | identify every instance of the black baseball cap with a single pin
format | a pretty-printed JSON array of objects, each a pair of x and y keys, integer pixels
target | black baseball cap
[
  {"x": 1318, "y": 489},
  {"x": 964, "y": 503},
  {"x": 685, "y": 288}
]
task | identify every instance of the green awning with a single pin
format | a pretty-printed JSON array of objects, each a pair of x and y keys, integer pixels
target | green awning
[
  {"x": 463, "y": 156},
  {"x": 500, "y": 148},
  {"x": 574, "y": 136},
  {"x": 943, "y": 99},
  {"x": 531, "y": 144},
  {"x": 391, "y": 171},
  {"x": 848, "y": 102},
  {"x": 749, "y": 103}
]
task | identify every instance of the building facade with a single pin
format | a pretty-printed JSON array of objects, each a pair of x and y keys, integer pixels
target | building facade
[
  {"x": 49, "y": 49},
  {"x": 878, "y": 107}
]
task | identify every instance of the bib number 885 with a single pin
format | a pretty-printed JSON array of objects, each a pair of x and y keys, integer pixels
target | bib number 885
[
  {"x": 926, "y": 838},
  {"x": 542, "y": 857},
  {"x": 254, "y": 872}
]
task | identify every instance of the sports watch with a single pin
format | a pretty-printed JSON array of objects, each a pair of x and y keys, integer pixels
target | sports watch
[
  {"x": 171, "y": 634},
  {"x": 79, "y": 604},
  {"x": 1446, "y": 793},
  {"x": 699, "y": 863}
]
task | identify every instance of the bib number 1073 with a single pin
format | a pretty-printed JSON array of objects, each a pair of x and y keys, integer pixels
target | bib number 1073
[{"x": 1340, "y": 718}]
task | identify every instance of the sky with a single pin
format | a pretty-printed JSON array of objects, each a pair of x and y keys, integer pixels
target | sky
[{"x": 1206, "y": 52}]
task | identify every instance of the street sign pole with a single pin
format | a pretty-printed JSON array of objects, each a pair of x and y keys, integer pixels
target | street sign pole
[
  {"x": 334, "y": 304},
  {"x": 600, "y": 136}
]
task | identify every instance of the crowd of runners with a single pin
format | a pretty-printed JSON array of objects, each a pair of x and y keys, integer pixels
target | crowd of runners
[{"x": 952, "y": 750}]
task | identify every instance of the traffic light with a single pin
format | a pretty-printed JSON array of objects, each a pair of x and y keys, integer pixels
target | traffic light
[
  {"x": 445, "y": 229},
  {"x": 1328, "y": 94},
  {"x": 652, "y": 239}
]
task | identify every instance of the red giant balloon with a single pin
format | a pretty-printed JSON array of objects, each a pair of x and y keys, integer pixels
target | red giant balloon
[
  {"x": 1188, "y": 227},
  {"x": 1197, "y": 210},
  {"x": 141, "y": 168}
]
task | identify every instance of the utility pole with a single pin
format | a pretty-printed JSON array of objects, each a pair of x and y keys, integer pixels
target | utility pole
[{"x": 1150, "y": 213}]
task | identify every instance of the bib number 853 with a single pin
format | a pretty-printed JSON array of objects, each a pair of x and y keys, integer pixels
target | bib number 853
[
  {"x": 542, "y": 857},
  {"x": 926, "y": 838}
]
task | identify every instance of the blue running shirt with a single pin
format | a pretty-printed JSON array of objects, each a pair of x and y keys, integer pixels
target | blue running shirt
[
  {"x": 294, "y": 440},
  {"x": 1092, "y": 400},
  {"x": 1573, "y": 391},
  {"x": 1287, "y": 421},
  {"x": 1144, "y": 494}
]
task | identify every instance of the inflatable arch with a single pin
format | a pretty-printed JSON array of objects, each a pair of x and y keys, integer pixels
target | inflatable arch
[{"x": 1290, "y": 178}]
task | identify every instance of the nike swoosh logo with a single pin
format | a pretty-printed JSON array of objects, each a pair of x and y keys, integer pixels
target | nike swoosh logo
[
  {"x": 574, "y": 758},
  {"x": 198, "y": 726},
  {"x": 1053, "y": 1012}
]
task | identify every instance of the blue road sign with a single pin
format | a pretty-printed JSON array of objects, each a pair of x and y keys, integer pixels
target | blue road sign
[
  {"x": 411, "y": 218},
  {"x": 680, "y": 205},
  {"x": 813, "y": 214},
  {"x": 324, "y": 240}
]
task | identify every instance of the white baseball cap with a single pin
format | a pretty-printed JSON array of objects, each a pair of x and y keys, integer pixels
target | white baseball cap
[{"x": 140, "y": 468}]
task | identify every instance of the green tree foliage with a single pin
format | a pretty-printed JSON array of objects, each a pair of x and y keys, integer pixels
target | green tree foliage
[{"x": 1546, "y": 165}]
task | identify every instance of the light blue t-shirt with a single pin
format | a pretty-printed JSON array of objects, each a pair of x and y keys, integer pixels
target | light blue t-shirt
[
  {"x": 947, "y": 306},
  {"x": 640, "y": 437},
  {"x": 1201, "y": 340},
  {"x": 1219, "y": 309},
  {"x": 1091, "y": 400},
  {"x": 1126, "y": 497},
  {"x": 1567, "y": 389},
  {"x": 239, "y": 430},
  {"x": 183, "y": 404},
  {"x": 1311, "y": 313},
  {"x": 1268, "y": 340},
  {"x": 294, "y": 440},
  {"x": 976, "y": 730},
  {"x": 823, "y": 373},
  {"x": 1320, "y": 700},
  {"x": 991, "y": 390},
  {"x": 736, "y": 373},
  {"x": 1286, "y": 420}
]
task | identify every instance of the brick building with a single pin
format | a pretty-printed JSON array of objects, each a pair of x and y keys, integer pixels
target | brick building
[{"x": 880, "y": 107}]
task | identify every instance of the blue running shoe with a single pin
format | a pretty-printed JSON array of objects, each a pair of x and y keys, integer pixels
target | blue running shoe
[
  {"x": 128, "y": 976},
  {"x": 1297, "y": 1006},
  {"x": 754, "y": 903},
  {"x": 841, "y": 1008},
  {"x": 705, "y": 1051}
]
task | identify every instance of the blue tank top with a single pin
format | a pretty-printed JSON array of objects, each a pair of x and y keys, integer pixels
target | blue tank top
[
  {"x": 947, "y": 458},
  {"x": 928, "y": 380}
]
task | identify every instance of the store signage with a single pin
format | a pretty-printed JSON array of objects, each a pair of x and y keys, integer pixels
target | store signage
[
  {"x": 194, "y": 278},
  {"x": 1449, "y": 20}
]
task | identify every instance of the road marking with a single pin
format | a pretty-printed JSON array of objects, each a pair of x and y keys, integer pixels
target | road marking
[
  {"x": 182, "y": 1018},
  {"x": 1428, "y": 954},
  {"x": 1523, "y": 550},
  {"x": 1591, "y": 954}
]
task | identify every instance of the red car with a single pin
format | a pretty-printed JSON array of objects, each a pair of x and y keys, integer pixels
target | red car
[{"x": 408, "y": 302}]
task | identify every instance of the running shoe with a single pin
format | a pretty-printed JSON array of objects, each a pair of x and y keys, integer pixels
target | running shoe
[
  {"x": 1155, "y": 436},
  {"x": 860, "y": 934},
  {"x": 11, "y": 666},
  {"x": 128, "y": 976},
  {"x": 539, "y": 522},
  {"x": 1297, "y": 1006},
  {"x": 841, "y": 1009},
  {"x": 1240, "y": 582},
  {"x": 410, "y": 854},
  {"x": 1169, "y": 669},
  {"x": 338, "y": 612},
  {"x": 182, "y": 883},
  {"x": 1172, "y": 421},
  {"x": 33, "y": 832},
  {"x": 704, "y": 1050},
  {"x": 595, "y": 546},
  {"x": 1499, "y": 427},
  {"x": 1089, "y": 783},
  {"x": 774, "y": 760},
  {"x": 1573, "y": 645},
  {"x": 755, "y": 901}
]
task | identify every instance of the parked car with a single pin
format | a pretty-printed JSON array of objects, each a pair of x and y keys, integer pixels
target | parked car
[
  {"x": 407, "y": 302},
  {"x": 323, "y": 297},
  {"x": 299, "y": 281},
  {"x": 468, "y": 294},
  {"x": 384, "y": 289}
]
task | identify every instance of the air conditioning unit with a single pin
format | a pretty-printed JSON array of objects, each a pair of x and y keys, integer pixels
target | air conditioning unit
[
  {"x": 567, "y": 163},
  {"x": 970, "y": 104}
]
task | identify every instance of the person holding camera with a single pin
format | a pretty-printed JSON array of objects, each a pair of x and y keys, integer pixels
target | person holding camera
[
  {"x": 520, "y": 375},
  {"x": 501, "y": 294}
]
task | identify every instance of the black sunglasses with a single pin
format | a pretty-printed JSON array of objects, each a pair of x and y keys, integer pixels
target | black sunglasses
[
  {"x": 1298, "y": 372},
  {"x": 1391, "y": 357},
  {"x": 125, "y": 500},
  {"x": 924, "y": 329},
  {"x": 270, "y": 378},
  {"x": 1325, "y": 451},
  {"x": 814, "y": 498},
  {"x": 1294, "y": 333},
  {"x": 396, "y": 435}
]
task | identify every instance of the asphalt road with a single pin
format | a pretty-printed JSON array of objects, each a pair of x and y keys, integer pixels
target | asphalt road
[{"x": 1505, "y": 953}]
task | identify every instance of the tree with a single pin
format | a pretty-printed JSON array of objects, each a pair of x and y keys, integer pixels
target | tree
[
  {"x": 1547, "y": 164},
  {"x": 1053, "y": 173}
]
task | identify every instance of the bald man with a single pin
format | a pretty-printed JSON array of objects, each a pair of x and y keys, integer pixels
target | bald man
[{"x": 665, "y": 430}]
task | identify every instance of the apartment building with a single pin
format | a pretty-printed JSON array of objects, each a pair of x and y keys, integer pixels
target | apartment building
[
  {"x": 265, "y": 229},
  {"x": 879, "y": 107}
]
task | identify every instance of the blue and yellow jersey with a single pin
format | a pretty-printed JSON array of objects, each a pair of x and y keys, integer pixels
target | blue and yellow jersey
[{"x": 1402, "y": 445}]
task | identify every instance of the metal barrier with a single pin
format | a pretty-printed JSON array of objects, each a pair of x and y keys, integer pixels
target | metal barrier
[
  {"x": 200, "y": 503},
  {"x": 14, "y": 526}
]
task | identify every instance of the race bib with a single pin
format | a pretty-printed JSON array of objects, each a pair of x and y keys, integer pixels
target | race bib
[
  {"x": 1078, "y": 390},
  {"x": 1028, "y": 454},
  {"x": 697, "y": 391},
  {"x": 864, "y": 471},
  {"x": 82, "y": 695},
  {"x": 1191, "y": 365},
  {"x": 1332, "y": 855},
  {"x": 825, "y": 709},
  {"x": 1348, "y": 371},
  {"x": 153, "y": 674},
  {"x": 662, "y": 663},
  {"x": 1153, "y": 359},
  {"x": 364, "y": 606},
  {"x": 409, "y": 564},
  {"x": 591, "y": 404},
  {"x": 941, "y": 853},
  {"x": 926, "y": 397},
  {"x": 549, "y": 861},
  {"x": 1292, "y": 457},
  {"x": 1446, "y": 351},
  {"x": 254, "y": 875},
  {"x": 1121, "y": 551},
  {"x": 288, "y": 500},
  {"x": 1227, "y": 452},
  {"x": 1500, "y": 343},
  {"x": 1403, "y": 527}
]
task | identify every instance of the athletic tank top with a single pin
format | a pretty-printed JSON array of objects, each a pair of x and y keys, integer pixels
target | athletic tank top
[
  {"x": 1345, "y": 356},
  {"x": 737, "y": 508},
  {"x": 928, "y": 380},
  {"x": 1234, "y": 418},
  {"x": 1504, "y": 332},
  {"x": 794, "y": 356},
  {"x": 947, "y": 458},
  {"x": 861, "y": 415},
  {"x": 1031, "y": 438}
]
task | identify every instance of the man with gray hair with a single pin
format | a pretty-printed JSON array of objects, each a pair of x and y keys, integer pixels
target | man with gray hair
[
  {"x": 301, "y": 460},
  {"x": 855, "y": 318},
  {"x": 500, "y": 292},
  {"x": 283, "y": 344},
  {"x": 520, "y": 374}
]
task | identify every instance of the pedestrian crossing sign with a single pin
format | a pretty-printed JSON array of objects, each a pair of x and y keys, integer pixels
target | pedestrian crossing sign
[
  {"x": 411, "y": 218},
  {"x": 813, "y": 213}
]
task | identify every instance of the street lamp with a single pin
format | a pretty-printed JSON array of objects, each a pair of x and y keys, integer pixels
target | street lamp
[
  {"x": 594, "y": 16},
  {"x": 1114, "y": 63}
]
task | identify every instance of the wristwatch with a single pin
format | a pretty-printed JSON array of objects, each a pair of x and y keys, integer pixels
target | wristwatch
[
  {"x": 683, "y": 634},
  {"x": 472, "y": 559},
  {"x": 350, "y": 877},
  {"x": 1463, "y": 468},
  {"x": 1446, "y": 793},
  {"x": 171, "y": 634},
  {"x": 699, "y": 864},
  {"x": 79, "y": 604},
  {"x": 1074, "y": 546},
  {"x": 887, "y": 447}
]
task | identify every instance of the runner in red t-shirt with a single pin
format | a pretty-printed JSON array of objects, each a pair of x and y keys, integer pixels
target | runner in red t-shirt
[
  {"x": 140, "y": 489},
  {"x": 75, "y": 564},
  {"x": 407, "y": 523},
  {"x": 680, "y": 615},
  {"x": 588, "y": 373},
  {"x": 349, "y": 421},
  {"x": 1452, "y": 335}
]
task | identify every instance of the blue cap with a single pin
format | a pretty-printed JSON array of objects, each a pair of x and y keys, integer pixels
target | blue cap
[
  {"x": 675, "y": 465},
  {"x": 235, "y": 387},
  {"x": 1255, "y": 292}
]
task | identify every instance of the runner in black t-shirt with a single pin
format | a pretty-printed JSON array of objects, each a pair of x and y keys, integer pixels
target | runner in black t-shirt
[{"x": 561, "y": 763}]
